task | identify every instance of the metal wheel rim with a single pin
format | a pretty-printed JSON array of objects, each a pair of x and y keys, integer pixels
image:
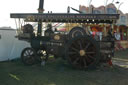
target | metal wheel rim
[
  {"x": 28, "y": 56},
  {"x": 88, "y": 50}
]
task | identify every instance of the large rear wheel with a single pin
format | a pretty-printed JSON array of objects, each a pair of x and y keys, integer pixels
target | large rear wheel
[{"x": 83, "y": 52}]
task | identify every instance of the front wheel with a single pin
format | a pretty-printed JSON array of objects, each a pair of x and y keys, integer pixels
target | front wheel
[{"x": 28, "y": 56}]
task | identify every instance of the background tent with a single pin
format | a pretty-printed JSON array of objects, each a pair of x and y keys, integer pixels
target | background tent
[{"x": 10, "y": 47}]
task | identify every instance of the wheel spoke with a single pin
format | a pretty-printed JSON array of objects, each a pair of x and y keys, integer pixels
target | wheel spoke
[
  {"x": 92, "y": 49},
  {"x": 75, "y": 45},
  {"x": 87, "y": 46},
  {"x": 85, "y": 63},
  {"x": 80, "y": 44},
  {"x": 26, "y": 52},
  {"x": 31, "y": 53},
  {"x": 88, "y": 60},
  {"x": 74, "y": 49},
  {"x": 90, "y": 52},
  {"x": 81, "y": 61},
  {"x": 71, "y": 53},
  {"x": 93, "y": 58},
  {"x": 75, "y": 61},
  {"x": 83, "y": 42},
  {"x": 29, "y": 60}
]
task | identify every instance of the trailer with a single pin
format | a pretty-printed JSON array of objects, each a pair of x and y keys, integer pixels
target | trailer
[{"x": 10, "y": 47}]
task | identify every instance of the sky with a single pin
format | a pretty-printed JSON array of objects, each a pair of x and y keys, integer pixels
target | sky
[{"x": 56, "y": 6}]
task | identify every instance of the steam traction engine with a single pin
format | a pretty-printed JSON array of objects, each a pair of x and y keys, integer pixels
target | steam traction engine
[{"x": 77, "y": 45}]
